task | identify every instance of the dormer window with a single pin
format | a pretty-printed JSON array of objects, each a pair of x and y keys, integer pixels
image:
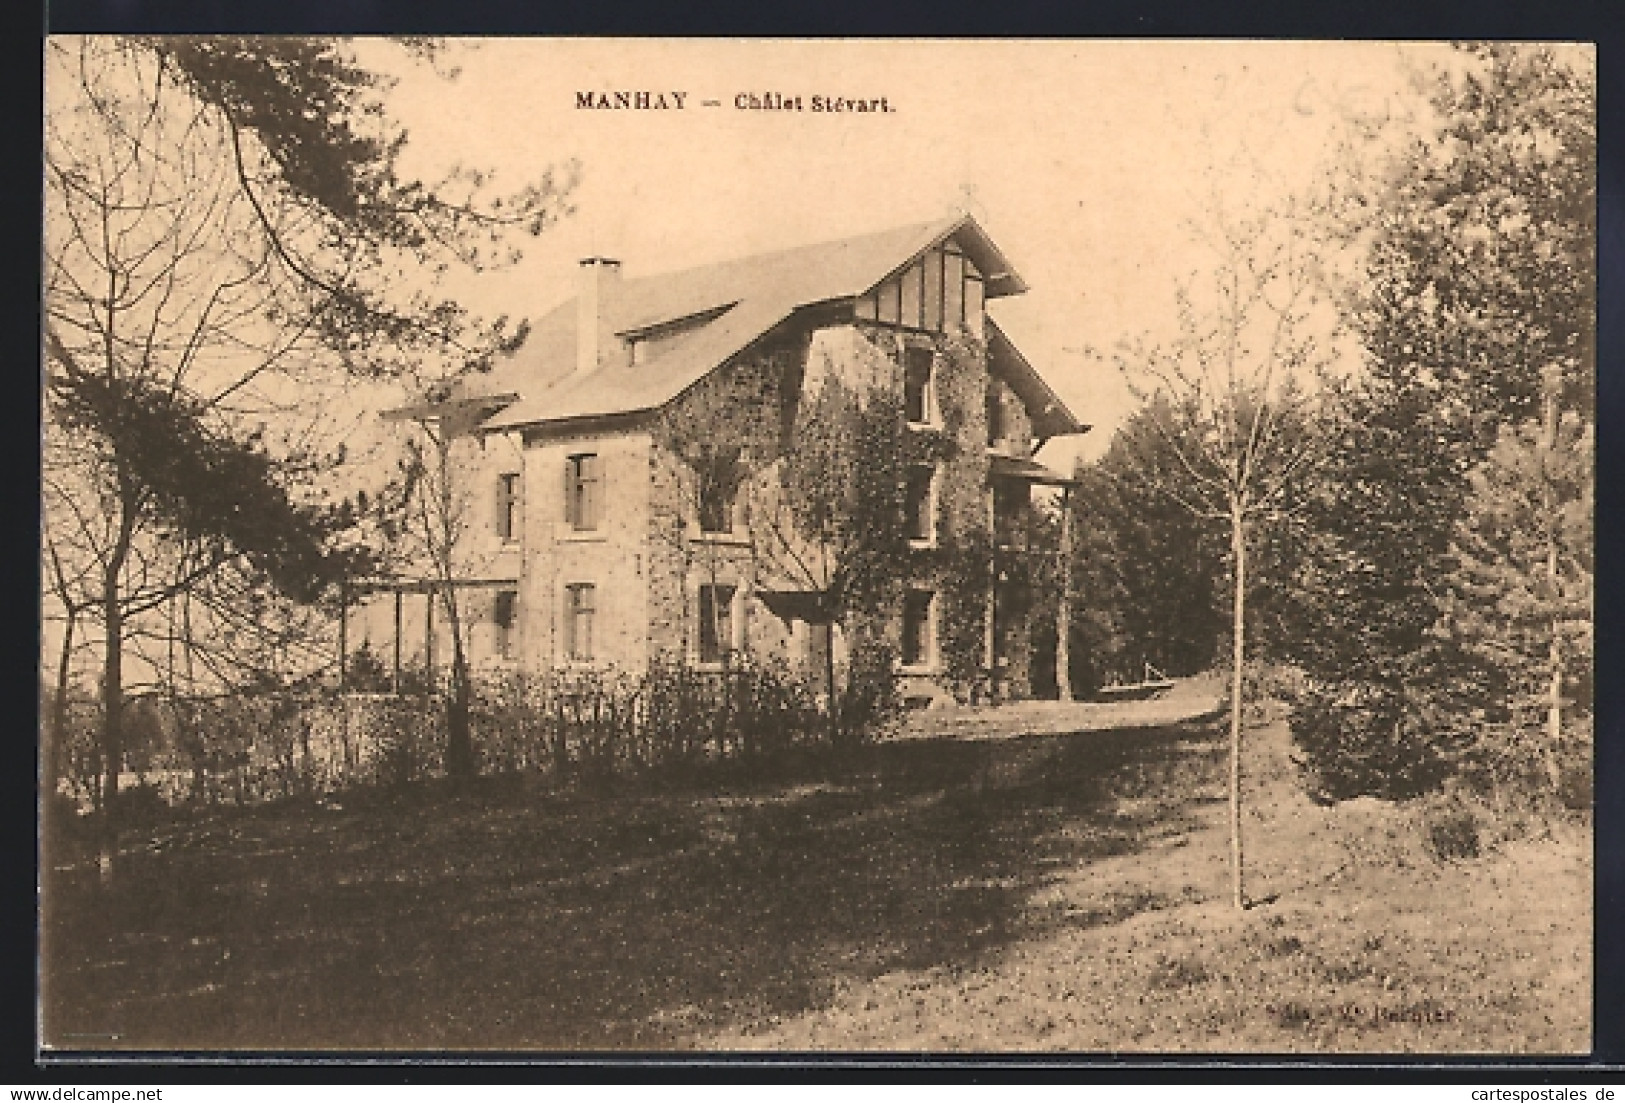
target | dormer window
[{"x": 919, "y": 367}]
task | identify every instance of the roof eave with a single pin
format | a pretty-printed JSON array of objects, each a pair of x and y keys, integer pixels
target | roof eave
[
  {"x": 1049, "y": 414},
  {"x": 425, "y": 411}
]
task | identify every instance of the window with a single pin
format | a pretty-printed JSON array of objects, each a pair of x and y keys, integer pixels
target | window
[
  {"x": 508, "y": 507},
  {"x": 917, "y": 629},
  {"x": 502, "y": 614},
  {"x": 583, "y": 482},
  {"x": 995, "y": 416},
  {"x": 716, "y": 623},
  {"x": 1009, "y": 499},
  {"x": 917, "y": 401},
  {"x": 579, "y": 610},
  {"x": 920, "y": 505}
]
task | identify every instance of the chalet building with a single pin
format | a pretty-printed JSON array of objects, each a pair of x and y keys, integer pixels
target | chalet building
[{"x": 595, "y": 535}]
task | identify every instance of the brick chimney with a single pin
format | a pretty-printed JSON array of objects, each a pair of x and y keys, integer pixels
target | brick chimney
[{"x": 598, "y": 276}]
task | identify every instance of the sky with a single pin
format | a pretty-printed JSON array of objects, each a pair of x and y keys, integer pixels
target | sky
[{"x": 1085, "y": 161}]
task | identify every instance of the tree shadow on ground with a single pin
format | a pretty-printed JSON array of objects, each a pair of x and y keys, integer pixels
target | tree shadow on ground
[{"x": 509, "y": 917}]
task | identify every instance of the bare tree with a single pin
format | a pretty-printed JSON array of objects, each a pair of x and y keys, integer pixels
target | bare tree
[
  {"x": 1231, "y": 416},
  {"x": 225, "y": 238},
  {"x": 438, "y": 523}
]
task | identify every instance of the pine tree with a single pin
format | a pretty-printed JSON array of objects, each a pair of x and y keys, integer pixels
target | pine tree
[
  {"x": 1520, "y": 597},
  {"x": 227, "y": 234},
  {"x": 1479, "y": 274}
]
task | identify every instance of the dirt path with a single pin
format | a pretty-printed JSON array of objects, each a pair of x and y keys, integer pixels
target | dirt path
[{"x": 1189, "y": 699}]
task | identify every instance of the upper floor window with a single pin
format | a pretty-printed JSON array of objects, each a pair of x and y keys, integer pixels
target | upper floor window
[
  {"x": 920, "y": 504},
  {"x": 508, "y": 506},
  {"x": 717, "y": 639},
  {"x": 716, "y": 510},
  {"x": 580, "y": 611},
  {"x": 918, "y": 368},
  {"x": 583, "y": 492},
  {"x": 503, "y": 611},
  {"x": 1010, "y": 500}
]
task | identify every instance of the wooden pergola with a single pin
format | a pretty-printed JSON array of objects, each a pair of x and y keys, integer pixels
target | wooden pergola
[{"x": 430, "y": 588}]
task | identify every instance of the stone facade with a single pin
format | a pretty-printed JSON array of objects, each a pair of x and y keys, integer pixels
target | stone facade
[{"x": 681, "y": 492}]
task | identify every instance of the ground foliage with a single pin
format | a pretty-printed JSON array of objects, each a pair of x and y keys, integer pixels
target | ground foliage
[{"x": 1058, "y": 893}]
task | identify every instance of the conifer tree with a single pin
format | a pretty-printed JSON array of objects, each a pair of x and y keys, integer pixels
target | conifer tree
[
  {"x": 1478, "y": 274},
  {"x": 1520, "y": 595},
  {"x": 229, "y": 238}
]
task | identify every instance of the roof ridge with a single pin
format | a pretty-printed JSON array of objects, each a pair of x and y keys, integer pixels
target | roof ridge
[{"x": 941, "y": 226}]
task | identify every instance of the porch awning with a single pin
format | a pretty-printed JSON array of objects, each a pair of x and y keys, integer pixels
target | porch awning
[{"x": 804, "y": 605}]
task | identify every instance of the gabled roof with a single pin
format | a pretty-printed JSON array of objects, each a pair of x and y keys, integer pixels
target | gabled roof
[{"x": 738, "y": 301}]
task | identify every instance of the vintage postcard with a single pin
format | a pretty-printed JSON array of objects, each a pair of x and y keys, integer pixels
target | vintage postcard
[{"x": 817, "y": 546}]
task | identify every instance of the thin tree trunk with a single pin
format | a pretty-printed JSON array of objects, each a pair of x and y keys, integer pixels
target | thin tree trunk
[
  {"x": 829, "y": 674},
  {"x": 1553, "y": 382},
  {"x": 59, "y": 708},
  {"x": 112, "y": 727},
  {"x": 1063, "y": 615},
  {"x": 1238, "y": 654},
  {"x": 459, "y": 744}
]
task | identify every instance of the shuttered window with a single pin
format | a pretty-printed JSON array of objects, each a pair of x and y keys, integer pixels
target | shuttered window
[
  {"x": 933, "y": 291},
  {"x": 913, "y": 295}
]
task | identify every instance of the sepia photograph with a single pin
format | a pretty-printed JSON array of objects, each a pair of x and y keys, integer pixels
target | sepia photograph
[{"x": 809, "y": 546}]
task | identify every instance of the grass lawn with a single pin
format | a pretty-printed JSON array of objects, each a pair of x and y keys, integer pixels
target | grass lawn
[{"x": 1046, "y": 893}]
